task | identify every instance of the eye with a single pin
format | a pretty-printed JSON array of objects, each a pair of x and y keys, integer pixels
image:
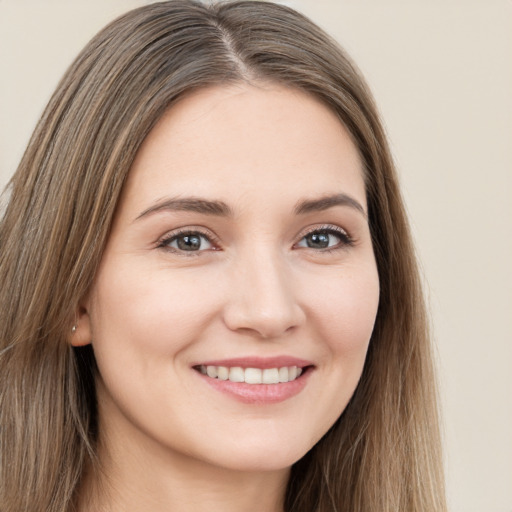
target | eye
[
  {"x": 187, "y": 241},
  {"x": 325, "y": 238}
]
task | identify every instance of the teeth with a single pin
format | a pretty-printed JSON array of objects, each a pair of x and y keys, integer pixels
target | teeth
[
  {"x": 222, "y": 373},
  {"x": 236, "y": 374},
  {"x": 270, "y": 376},
  {"x": 252, "y": 375}
]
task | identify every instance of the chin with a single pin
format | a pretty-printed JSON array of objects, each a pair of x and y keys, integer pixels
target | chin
[{"x": 262, "y": 457}]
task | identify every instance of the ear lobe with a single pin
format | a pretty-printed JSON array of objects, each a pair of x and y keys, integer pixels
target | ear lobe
[{"x": 81, "y": 333}]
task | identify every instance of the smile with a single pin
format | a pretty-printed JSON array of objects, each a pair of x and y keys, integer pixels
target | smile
[
  {"x": 252, "y": 375},
  {"x": 256, "y": 380}
]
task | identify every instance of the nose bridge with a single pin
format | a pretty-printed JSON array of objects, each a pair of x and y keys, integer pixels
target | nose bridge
[{"x": 262, "y": 296}]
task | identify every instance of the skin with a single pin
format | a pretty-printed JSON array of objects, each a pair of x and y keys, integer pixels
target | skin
[{"x": 254, "y": 287}]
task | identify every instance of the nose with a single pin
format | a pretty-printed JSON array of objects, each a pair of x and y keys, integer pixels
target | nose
[{"x": 262, "y": 301}]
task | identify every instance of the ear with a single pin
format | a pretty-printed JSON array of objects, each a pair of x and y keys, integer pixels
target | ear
[{"x": 81, "y": 332}]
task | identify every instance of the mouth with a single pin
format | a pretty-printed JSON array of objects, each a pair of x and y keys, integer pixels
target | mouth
[
  {"x": 277, "y": 375},
  {"x": 257, "y": 381}
]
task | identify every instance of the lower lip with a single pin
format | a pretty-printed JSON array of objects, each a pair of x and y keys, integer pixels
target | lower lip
[{"x": 259, "y": 393}]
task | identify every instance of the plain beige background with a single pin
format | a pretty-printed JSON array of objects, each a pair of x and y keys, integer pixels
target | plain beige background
[{"x": 441, "y": 72}]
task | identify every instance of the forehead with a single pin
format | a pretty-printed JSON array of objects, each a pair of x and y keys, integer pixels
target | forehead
[{"x": 242, "y": 140}]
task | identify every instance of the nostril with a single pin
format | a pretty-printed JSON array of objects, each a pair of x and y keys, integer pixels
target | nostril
[{"x": 263, "y": 322}]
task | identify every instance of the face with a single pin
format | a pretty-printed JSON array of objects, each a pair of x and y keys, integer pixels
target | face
[{"x": 235, "y": 300}]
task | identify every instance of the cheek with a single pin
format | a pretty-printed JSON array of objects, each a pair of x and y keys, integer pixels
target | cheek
[
  {"x": 346, "y": 309},
  {"x": 141, "y": 323},
  {"x": 155, "y": 313},
  {"x": 342, "y": 314}
]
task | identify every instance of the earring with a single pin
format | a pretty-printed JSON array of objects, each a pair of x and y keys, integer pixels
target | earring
[{"x": 73, "y": 329}]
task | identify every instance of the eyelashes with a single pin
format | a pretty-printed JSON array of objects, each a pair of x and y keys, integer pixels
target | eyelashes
[
  {"x": 325, "y": 239},
  {"x": 189, "y": 241},
  {"x": 194, "y": 241}
]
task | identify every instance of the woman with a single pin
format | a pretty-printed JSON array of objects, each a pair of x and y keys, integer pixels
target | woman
[{"x": 209, "y": 292}]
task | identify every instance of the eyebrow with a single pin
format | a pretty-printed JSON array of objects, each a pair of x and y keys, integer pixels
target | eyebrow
[
  {"x": 326, "y": 202},
  {"x": 189, "y": 204},
  {"x": 221, "y": 209}
]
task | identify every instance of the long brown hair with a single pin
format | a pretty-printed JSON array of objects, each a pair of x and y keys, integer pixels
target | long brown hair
[{"x": 383, "y": 453}]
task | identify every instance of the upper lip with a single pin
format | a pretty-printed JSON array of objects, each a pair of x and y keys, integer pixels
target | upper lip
[{"x": 258, "y": 362}]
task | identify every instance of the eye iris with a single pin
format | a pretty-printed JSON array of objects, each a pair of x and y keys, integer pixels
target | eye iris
[
  {"x": 318, "y": 240},
  {"x": 189, "y": 242}
]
